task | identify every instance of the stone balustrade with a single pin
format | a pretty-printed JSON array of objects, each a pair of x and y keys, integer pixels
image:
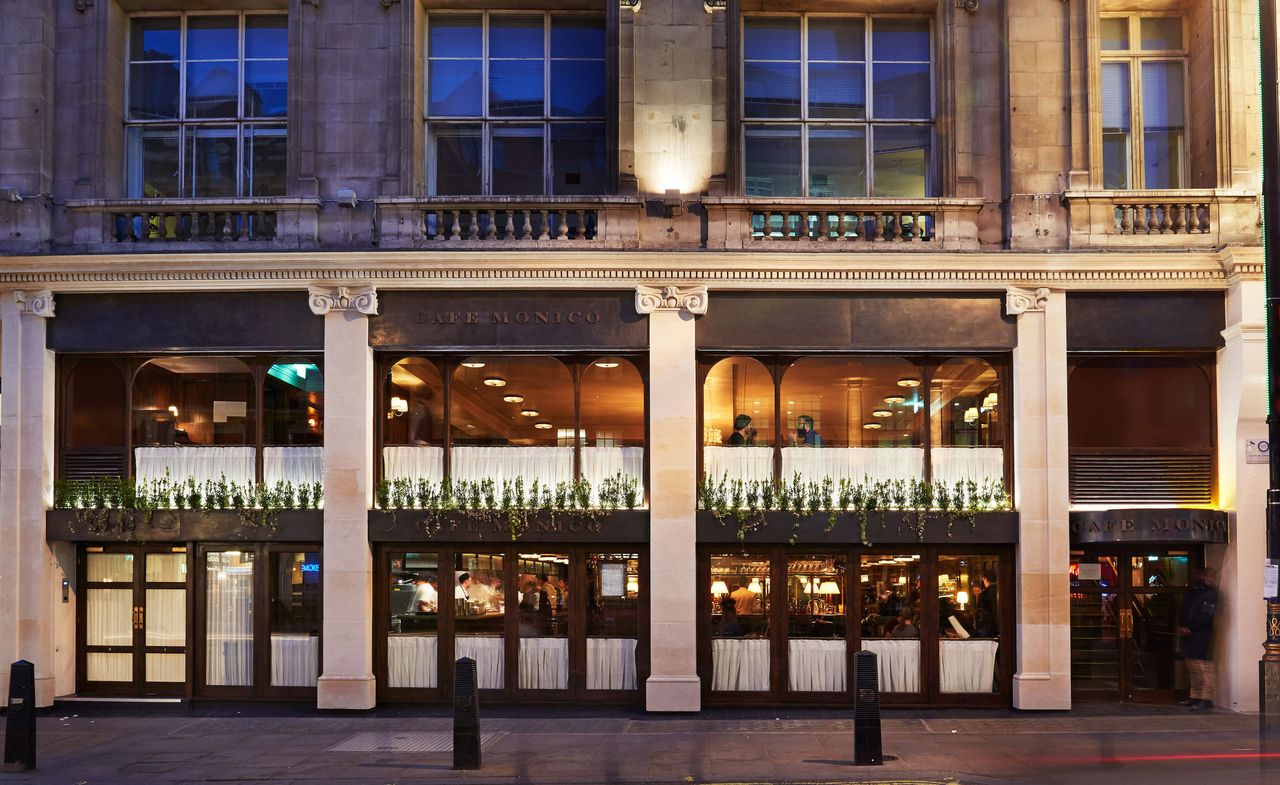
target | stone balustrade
[
  {"x": 509, "y": 222},
  {"x": 209, "y": 224},
  {"x": 1185, "y": 218}
]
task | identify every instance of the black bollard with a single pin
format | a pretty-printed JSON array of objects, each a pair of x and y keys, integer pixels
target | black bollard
[
  {"x": 466, "y": 716},
  {"x": 867, "y": 750},
  {"x": 20, "y": 720}
]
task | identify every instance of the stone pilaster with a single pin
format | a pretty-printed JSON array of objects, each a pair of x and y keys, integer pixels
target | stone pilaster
[
  {"x": 1041, "y": 496},
  {"x": 673, "y": 683},
  {"x": 28, "y": 569},
  {"x": 347, "y": 682}
]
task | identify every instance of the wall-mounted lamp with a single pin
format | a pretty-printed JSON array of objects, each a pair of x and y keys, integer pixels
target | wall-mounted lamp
[
  {"x": 174, "y": 411},
  {"x": 399, "y": 406},
  {"x": 669, "y": 206}
]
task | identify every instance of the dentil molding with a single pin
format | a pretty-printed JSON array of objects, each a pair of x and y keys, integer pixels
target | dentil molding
[
  {"x": 326, "y": 299},
  {"x": 671, "y": 298},
  {"x": 35, "y": 302},
  {"x": 1019, "y": 301}
]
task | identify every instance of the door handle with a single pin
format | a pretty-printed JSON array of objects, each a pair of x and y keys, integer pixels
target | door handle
[{"x": 138, "y": 617}]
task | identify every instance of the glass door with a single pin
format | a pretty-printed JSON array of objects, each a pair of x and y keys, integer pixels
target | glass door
[
  {"x": 1156, "y": 582},
  {"x": 1097, "y": 624},
  {"x": 134, "y": 620}
]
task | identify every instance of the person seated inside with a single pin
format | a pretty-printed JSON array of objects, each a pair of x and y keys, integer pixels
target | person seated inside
[
  {"x": 906, "y": 627},
  {"x": 743, "y": 434},
  {"x": 806, "y": 436},
  {"x": 730, "y": 625},
  {"x": 427, "y": 598}
]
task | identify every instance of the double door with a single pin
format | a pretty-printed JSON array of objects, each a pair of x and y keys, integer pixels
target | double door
[{"x": 1124, "y": 621}]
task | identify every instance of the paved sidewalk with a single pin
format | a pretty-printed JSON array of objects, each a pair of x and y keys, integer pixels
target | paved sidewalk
[{"x": 564, "y": 746}]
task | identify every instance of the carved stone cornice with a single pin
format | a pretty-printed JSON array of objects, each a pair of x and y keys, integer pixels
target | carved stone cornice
[
  {"x": 1019, "y": 301},
  {"x": 327, "y": 299},
  {"x": 671, "y": 298},
  {"x": 35, "y": 302},
  {"x": 629, "y": 5},
  {"x": 969, "y": 5}
]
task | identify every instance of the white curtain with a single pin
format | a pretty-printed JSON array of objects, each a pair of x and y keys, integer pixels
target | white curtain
[
  {"x": 611, "y": 663},
  {"x": 229, "y": 628},
  {"x": 166, "y": 667},
  {"x": 740, "y": 664},
  {"x": 740, "y": 463},
  {"x": 544, "y": 664},
  {"x": 411, "y": 661},
  {"x": 197, "y": 463},
  {"x": 968, "y": 665},
  {"x": 298, "y": 465},
  {"x": 166, "y": 617},
  {"x": 109, "y": 617},
  {"x": 295, "y": 660},
  {"x": 486, "y": 650},
  {"x": 978, "y": 464},
  {"x": 100, "y": 666},
  {"x": 855, "y": 464},
  {"x": 601, "y": 463},
  {"x": 898, "y": 663},
  {"x": 413, "y": 463},
  {"x": 816, "y": 665},
  {"x": 547, "y": 465}
]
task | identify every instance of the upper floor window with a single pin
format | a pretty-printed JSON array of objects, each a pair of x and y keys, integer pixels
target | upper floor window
[
  {"x": 516, "y": 104},
  {"x": 837, "y": 106},
  {"x": 207, "y": 98},
  {"x": 1144, "y": 128}
]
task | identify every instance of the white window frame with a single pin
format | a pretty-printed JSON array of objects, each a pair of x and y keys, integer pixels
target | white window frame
[
  {"x": 488, "y": 122},
  {"x": 186, "y": 126},
  {"x": 867, "y": 123}
]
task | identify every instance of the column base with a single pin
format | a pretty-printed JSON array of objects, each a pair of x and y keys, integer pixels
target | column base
[
  {"x": 350, "y": 693},
  {"x": 1042, "y": 691},
  {"x": 673, "y": 693}
]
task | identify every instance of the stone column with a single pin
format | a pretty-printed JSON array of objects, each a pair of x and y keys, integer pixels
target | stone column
[
  {"x": 348, "y": 681},
  {"x": 1042, "y": 498},
  {"x": 28, "y": 570},
  {"x": 1242, "y": 488},
  {"x": 673, "y": 683}
]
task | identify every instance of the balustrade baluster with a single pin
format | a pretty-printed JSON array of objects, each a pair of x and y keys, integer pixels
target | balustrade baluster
[
  {"x": 491, "y": 224},
  {"x": 582, "y": 225},
  {"x": 1125, "y": 223},
  {"x": 241, "y": 231},
  {"x": 1202, "y": 213},
  {"x": 161, "y": 224},
  {"x": 473, "y": 233},
  {"x": 877, "y": 229},
  {"x": 455, "y": 225},
  {"x": 526, "y": 229},
  {"x": 1153, "y": 219},
  {"x": 509, "y": 228},
  {"x": 545, "y": 232},
  {"x": 1179, "y": 218},
  {"x": 1166, "y": 220},
  {"x": 562, "y": 226}
]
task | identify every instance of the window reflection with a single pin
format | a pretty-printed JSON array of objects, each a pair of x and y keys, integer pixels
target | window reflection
[
  {"x": 293, "y": 403},
  {"x": 413, "y": 632}
]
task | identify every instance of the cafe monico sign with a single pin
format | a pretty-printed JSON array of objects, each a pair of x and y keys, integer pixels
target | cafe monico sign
[{"x": 1142, "y": 525}]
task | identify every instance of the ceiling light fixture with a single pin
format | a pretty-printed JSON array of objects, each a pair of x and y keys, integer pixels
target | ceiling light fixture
[
  {"x": 607, "y": 364},
  {"x": 513, "y": 398},
  {"x": 529, "y": 412},
  {"x": 894, "y": 399},
  {"x": 495, "y": 381},
  {"x": 908, "y": 382},
  {"x": 882, "y": 413},
  {"x": 542, "y": 426},
  {"x": 872, "y": 426},
  {"x": 473, "y": 364}
]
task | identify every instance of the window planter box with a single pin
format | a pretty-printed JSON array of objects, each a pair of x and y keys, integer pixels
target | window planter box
[
  {"x": 883, "y": 528},
  {"x": 408, "y": 525},
  {"x": 182, "y": 526}
]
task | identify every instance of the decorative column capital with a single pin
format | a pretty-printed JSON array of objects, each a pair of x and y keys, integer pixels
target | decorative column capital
[
  {"x": 671, "y": 298},
  {"x": 1019, "y": 301},
  {"x": 361, "y": 299},
  {"x": 969, "y": 5},
  {"x": 35, "y": 302}
]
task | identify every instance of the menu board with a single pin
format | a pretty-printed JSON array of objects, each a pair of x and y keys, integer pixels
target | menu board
[{"x": 613, "y": 580}]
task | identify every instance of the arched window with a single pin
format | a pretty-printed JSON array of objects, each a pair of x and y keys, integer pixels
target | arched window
[
  {"x": 413, "y": 423},
  {"x": 194, "y": 418},
  {"x": 738, "y": 420},
  {"x": 611, "y": 395},
  {"x": 293, "y": 423},
  {"x": 95, "y": 421},
  {"x": 511, "y": 417},
  {"x": 967, "y": 417},
  {"x": 840, "y": 411}
]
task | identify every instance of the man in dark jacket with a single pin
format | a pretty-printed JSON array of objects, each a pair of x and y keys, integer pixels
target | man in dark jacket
[{"x": 1195, "y": 625}]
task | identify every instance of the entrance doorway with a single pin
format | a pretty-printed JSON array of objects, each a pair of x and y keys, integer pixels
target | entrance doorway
[{"x": 1124, "y": 620}]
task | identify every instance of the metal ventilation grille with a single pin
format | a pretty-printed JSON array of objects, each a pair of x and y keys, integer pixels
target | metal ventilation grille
[
  {"x": 1142, "y": 479},
  {"x": 84, "y": 465}
]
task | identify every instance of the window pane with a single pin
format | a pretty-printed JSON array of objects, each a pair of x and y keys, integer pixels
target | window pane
[
  {"x": 815, "y": 623},
  {"x": 837, "y": 90},
  {"x": 837, "y": 39},
  {"x": 1115, "y": 33},
  {"x": 455, "y": 88},
  {"x": 153, "y": 91},
  {"x": 295, "y": 619},
  {"x": 965, "y": 396},
  {"x": 898, "y": 40},
  {"x": 96, "y": 412},
  {"x": 771, "y": 89},
  {"x": 1163, "y": 124},
  {"x": 891, "y": 620},
  {"x": 211, "y": 167},
  {"x": 1161, "y": 33},
  {"x": 479, "y": 602},
  {"x": 765, "y": 38},
  {"x": 515, "y": 88},
  {"x": 293, "y": 404},
  {"x": 1115, "y": 125},
  {"x": 455, "y": 163},
  {"x": 213, "y": 89},
  {"x": 1163, "y": 153},
  {"x": 901, "y": 91},
  {"x": 515, "y": 36},
  {"x": 109, "y": 568},
  {"x": 153, "y": 163},
  {"x": 613, "y": 620},
  {"x": 166, "y": 568},
  {"x": 415, "y": 620},
  {"x": 544, "y": 619},
  {"x": 837, "y": 162},
  {"x": 229, "y": 618},
  {"x": 612, "y": 423},
  {"x": 737, "y": 405},
  {"x": 266, "y": 36},
  {"x": 578, "y": 160},
  {"x": 155, "y": 39},
  {"x": 969, "y": 619},
  {"x": 740, "y": 623},
  {"x": 193, "y": 401},
  {"x": 772, "y": 158},
  {"x": 517, "y": 161},
  {"x": 264, "y": 173},
  {"x": 521, "y": 404},
  {"x": 456, "y": 36},
  {"x": 415, "y": 397},
  {"x": 577, "y": 37},
  {"x": 266, "y": 88},
  {"x": 902, "y": 159},
  {"x": 829, "y": 401},
  {"x": 213, "y": 37},
  {"x": 577, "y": 88}
]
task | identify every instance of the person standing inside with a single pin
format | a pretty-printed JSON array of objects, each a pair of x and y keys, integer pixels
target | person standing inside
[
  {"x": 1195, "y": 625},
  {"x": 806, "y": 436},
  {"x": 743, "y": 434}
]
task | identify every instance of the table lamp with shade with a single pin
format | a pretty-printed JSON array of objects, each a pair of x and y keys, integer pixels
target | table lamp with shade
[
  {"x": 962, "y": 599},
  {"x": 718, "y": 588}
]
